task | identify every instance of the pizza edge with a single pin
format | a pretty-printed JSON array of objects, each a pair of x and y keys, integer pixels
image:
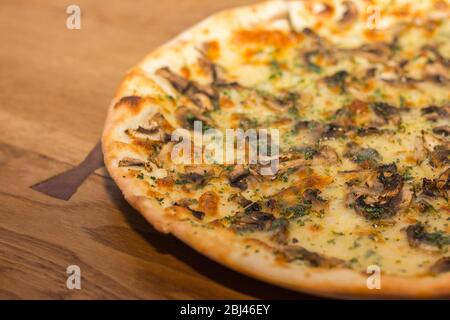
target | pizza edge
[{"x": 338, "y": 282}]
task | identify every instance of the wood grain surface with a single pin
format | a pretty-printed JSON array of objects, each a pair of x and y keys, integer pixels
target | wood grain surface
[{"x": 55, "y": 86}]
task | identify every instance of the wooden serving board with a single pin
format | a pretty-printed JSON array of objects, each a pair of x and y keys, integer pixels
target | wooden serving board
[{"x": 55, "y": 87}]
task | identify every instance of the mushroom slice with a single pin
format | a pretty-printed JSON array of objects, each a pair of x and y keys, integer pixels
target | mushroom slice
[
  {"x": 197, "y": 174},
  {"x": 417, "y": 235},
  {"x": 202, "y": 100},
  {"x": 325, "y": 155},
  {"x": 252, "y": 221},
  {"x": 440, "y": 266},
  {"x": 187, "y": 116},
  {"x": 337, "y": 80},
  {"x": 431, "y": 142},
  {"x": 333, "y": 130},
  {"x": 442, "y": 131},
  {"x": 178, "y": 82},
  {"x": 386, "y": 112},
  {"x": 313, "y": 195},
  {"x": 200, "y": 95},
  {"x": 443, "y": 182},
  {"x": 296, "y": 252},
  {"x": 237, "y": 175},
  {"x": 291, "y": 164},
  {"x": 366, "y": 157},
  {"x": 131, "y": 162},
  {"x": 350, "y": 13},
  {"x": 282, "y": 103},
  {"x": 434, "y": 113}
]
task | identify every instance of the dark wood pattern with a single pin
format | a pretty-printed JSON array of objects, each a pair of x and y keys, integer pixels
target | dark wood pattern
[{"x": 55, "y": 86}]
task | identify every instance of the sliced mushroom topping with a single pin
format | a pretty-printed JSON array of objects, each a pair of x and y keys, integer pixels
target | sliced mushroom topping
[
  {"x": 252, "y": 221},
  {"x": 437, "y": 187},
  {"x": 333, "y": 130},
  {"x": 378, "y": 52},
  {"x": 240, "y": 199},
  {"x": 414, "y": 234},
  {"x": 440, "y": 156},
  {"x": 284, "y": 166},
  {"x": 436, "y": 73},
  {"x": 296, "y": 252},
  {"x": 280, "y": 228},
  {"x": 432, "y": 142},
  {"x": 438, "y": 149},
  {"x": 396, "y": 79},
  {"x": 350, "y": 13},
  {"x": 149, "y": 131},
  {"x": 196, "y": 174},
  {"x": 440, "y": 266},
  {"x": 370, "y": 131},
  {"x": 282, "y": 103},
  {"x": 366, "y": 157},
  {"x": 386, "y": 112},
  {"x": 383, "y": 196},
  {"x": 325, "y": 155},
  {"x": 186, "y": 203},
  {"x": 187, "y": 116},
  {"x": 237, "y": 177},
  {"x": 178, "y": 82},
  {"x": 129, "y": 100},
  {"x": 423, "y": 206},
  {"x": 434, "y": 113},
  {"x": 200, "y": 95},
  {"x": 443, "y": 182},
  {"x": 439, "y": 57},
  {"x": 429, "y": 188},
  {"x": 391, "y": 180},
  {"x": 418, "y": 235},
  {"x": 308, "y": 59},
  {"x": 313, "y": 195},
  {"x": 337, "y": 80},
  {"x": 202, "y": 100},
  {"x": 131, "y": 162},
  {"x": 437, "y": 69},
  {"x": 442, "y": 131},
  {"x": 369, "y": 208}
]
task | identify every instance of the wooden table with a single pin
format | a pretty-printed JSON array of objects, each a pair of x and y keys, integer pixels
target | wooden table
[{"x": 55, "y": 86}]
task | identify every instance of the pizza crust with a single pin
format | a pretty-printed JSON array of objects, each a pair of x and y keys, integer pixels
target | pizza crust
[{"x": 224, "y": 246}]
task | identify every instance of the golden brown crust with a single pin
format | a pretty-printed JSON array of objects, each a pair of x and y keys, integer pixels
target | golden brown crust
[{"x": 220, "y": 244}]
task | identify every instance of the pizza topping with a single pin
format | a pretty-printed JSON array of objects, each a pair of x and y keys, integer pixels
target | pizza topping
[
  {"x": 440, "y": 266},
  {"x": 387, "y": 112},
  {"x": 237, "y": 177},
  {"x": 366, "y": 157},
  {"x": 442, "y": 131},
  {"x": 283, "y": 102},
  {"x": 251, "y": 221},
  {"x": 438, "y": 149},
  {"x": 202, "y": 96},
  {"x": 434, "y": 113},
  {"x": 187, "y": 116},
  {"x": 131, "y": 162},
  {"x": 178, "y": 82},
  {"x": 296, "y": 252},
  {"x": 382, "y": 196},
  {"x": 437, "y": 187},
  {"x": 187, "y": 204},
  {"x": 350, "y": 13},
  {"x": 313, "y": 196},
  {"x": 337, "y": 80},
  {"x": 417, "y": 235}
]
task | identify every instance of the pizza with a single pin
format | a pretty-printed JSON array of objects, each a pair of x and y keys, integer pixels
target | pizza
[{"x": 303, "y": 143}]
